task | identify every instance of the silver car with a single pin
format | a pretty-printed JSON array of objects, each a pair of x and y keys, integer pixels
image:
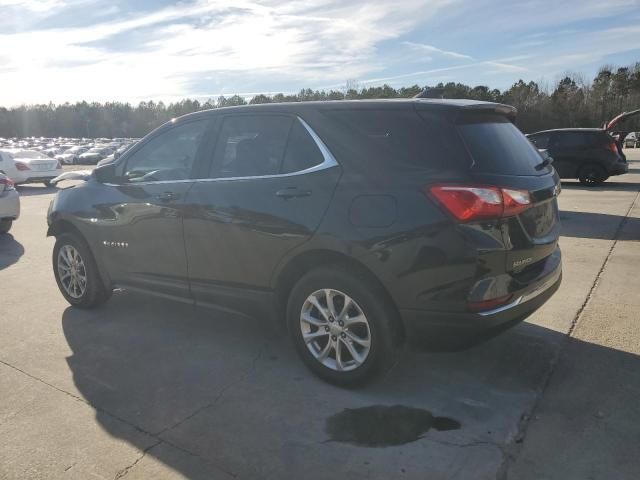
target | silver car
[{"x": 9, "y": 203}]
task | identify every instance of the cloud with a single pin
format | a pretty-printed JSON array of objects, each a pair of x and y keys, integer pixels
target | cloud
[
  {"x": 68, "y": 50},
  {"x": 309, "y": 40},
  {"x": 431, "y": 49},
  {"x": 34, "y": 5}
]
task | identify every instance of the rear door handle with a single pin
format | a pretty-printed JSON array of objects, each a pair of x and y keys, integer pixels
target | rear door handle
[
  {"x": 292, "y": 192},
  {"x": 167, "y": 196}
]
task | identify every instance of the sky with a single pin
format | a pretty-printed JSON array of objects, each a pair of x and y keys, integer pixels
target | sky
[{"x": 133, "y": 50}]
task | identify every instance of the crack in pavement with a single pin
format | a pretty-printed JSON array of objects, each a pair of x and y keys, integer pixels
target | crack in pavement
[
  {"x": 159, "y": 440},
  {"x": 76, "y": 398},
  {"x": 521, "y": 430},
  {"x": 217, "y": 398},
  {"x": 473, "y": 443},
  {"x": 121, "y": 473}
]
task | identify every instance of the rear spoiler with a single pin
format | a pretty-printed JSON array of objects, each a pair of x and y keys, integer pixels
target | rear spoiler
[
  {"x": 459, "y": 107},
  {"x": 497, "y": 108}
]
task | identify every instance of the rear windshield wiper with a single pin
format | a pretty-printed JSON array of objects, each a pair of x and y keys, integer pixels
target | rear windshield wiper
[{"x": 545, "y": 163}]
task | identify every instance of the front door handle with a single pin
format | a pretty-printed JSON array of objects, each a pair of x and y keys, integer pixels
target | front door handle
[
  {"x": 167, "y": 196},
  {"x": 292, "y": 192}
]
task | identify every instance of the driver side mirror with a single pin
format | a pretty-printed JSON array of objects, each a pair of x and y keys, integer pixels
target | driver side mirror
[
  {"x": 116, "y": 155},
  {"x": 105, "y": 173}
]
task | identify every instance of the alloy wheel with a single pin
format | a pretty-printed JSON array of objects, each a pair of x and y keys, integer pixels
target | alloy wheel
[
  {"x": 72, "y": 271},
  {"x": 335, "y": 330}
]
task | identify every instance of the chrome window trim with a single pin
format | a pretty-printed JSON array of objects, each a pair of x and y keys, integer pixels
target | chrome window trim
[{"x": 329, "y": 161}]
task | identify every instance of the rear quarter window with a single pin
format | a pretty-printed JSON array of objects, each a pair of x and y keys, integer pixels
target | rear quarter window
[
  {"x": 394, "y": 136},
  {"x": 497, "y": 146}
]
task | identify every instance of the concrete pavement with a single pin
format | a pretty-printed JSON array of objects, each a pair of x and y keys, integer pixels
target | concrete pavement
[{"x": 143, "y": 388}]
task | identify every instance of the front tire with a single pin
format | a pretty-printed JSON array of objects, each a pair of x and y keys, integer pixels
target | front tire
[
  {"x": 77, "y": 274},
  {"x": 341, "y": 325},
  {"x": 592, "y": 175},
  {"x": 5, "y": 225},
  {"x": 47, "y": 183}
]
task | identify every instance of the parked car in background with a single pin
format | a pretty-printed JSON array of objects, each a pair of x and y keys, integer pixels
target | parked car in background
[
  {"x": 94, "y": 155},
  {"x": 9, "y": 203},
  {"x": 72, "y": 155},
  {"x": 588, "y": 154},
  {"x": 361, "y": 225},
  {"x": 51, "y": 152},
  {"x": 115, "y": 155},
  {"x": 29, "y": 166},
  {"x": 632, "y": 140}
]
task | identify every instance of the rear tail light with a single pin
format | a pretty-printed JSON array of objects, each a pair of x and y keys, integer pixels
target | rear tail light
[
  {"x": 22, "y": 166},
  {"x": 470, "y": 202},
  {"x": 613, "y": 147},
  {"x": 8, "y": 183}
]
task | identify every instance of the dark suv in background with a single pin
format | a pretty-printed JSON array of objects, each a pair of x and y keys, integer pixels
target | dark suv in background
[
  {"x": 589, "y": 154},
  {"x": 361, "y": 224}
]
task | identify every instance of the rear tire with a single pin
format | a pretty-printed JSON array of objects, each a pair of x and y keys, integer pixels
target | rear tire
[
  {"x": 77, "y": 274},
  {"x": 592, "y": 175},
  {"x": 333, "y": 333},
  {"x": 5, "y": 225}
]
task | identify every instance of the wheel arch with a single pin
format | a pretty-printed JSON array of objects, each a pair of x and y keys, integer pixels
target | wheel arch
[
  {"x": 299, "y": 265},
  {"x": 62, "y": 226}
]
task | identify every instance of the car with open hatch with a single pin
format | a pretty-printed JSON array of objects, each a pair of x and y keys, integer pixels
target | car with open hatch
[{"x": 590, "y": 155}]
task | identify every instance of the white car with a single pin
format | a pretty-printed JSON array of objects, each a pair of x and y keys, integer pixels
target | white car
[
  {"x": 9, "y": 204},
  {"x": 29, "y": 166}
]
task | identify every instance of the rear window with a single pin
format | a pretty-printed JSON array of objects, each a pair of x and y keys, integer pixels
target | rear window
[
  {"x": 497, "y": 146},
  {"x": 399, "y": 136}
]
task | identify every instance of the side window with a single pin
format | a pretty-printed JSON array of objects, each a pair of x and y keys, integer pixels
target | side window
[
  {"x": 251, "y": 145},
  {"x": 168, "y": 156},
  {"x": 562, "y": 139},
  {"x": 572, "y": 139},
  {"x": 302, "y": 152},
  {"x": 400, "y": 136},
  {"x": 541, "y": 140}
]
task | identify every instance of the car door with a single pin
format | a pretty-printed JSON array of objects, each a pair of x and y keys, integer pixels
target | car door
[
  {"x": 564, "y": 148},
  {"x": 269, "y": 185},
  {"x": 141, "y": 217}
]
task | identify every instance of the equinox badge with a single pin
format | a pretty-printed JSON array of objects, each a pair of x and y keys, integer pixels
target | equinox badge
[{"x": 115, "y": 244}]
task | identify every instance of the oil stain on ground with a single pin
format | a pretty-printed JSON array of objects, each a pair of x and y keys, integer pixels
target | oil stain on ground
[{"x": 382, "y": 426}]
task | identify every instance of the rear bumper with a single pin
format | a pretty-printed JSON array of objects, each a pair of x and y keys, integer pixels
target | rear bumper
[
  {"x": 36, "y": 177},
  {"x": 423, "y": 327},
  {"x": 9, "y": 204},
  {"x": 619, "y": 169}
]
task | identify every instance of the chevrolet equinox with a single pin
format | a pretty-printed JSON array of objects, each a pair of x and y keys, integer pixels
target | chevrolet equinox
[{"x": 361, "y": 224}]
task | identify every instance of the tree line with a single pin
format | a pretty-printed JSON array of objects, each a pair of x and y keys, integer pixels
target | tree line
[{"x": 571, "y": 102}]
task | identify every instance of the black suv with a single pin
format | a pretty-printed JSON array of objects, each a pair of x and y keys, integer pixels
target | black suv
[
  {"x": 589, "y": 154},
  {"x": 362, "y": 223}
]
